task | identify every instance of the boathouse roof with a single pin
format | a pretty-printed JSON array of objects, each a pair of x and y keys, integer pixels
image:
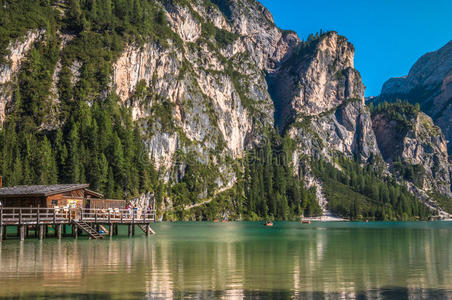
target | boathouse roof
[{"x": 40, "y": 190}]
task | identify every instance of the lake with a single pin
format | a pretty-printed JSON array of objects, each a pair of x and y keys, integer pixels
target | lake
[{"x": 236, "y": 260}]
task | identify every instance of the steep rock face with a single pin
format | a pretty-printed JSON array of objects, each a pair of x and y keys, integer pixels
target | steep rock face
[
  {"x": 317, "y": 78},
  {"x": 429, "y": 83},
  {"x": 18, "y": 51},
  {"x": 267, "y": 44},
  {"x": 348, "y": 130},
  {"x": 319, "y": 96},
  {"x": 420, "y": 147},
  {"x": 215, "y": 99}
]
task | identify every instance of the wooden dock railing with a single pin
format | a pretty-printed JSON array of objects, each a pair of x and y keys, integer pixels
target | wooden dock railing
[{"x": 36, "y": 216}]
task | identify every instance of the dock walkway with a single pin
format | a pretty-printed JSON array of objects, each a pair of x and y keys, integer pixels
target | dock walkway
[{"x": 81, "y": 220}]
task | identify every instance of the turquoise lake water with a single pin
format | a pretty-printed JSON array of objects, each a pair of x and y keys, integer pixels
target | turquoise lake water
[{"x": 237, "y": 260}]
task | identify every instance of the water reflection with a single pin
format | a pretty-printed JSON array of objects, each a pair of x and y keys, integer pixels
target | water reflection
[{"x": 236, "y": 260}]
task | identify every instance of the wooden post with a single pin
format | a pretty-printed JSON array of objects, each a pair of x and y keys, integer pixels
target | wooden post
[
  {"x": 21, "y": 229},
  {"x": 41, "y": 231},
  {"x": 148, "y": 229},
  {"x": 1, "y": 232},
  {"x": 58, "y": 231},
  {"x": 75, "y": 231},
  {"x": 110, "y": 230},
  {"x": 130, "y": 229},
  {"x": 54, "y": 216},
  {"x": 20, "y": 216}
]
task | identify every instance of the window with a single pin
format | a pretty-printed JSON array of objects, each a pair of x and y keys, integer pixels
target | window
[{"x": 54, "y": 202}]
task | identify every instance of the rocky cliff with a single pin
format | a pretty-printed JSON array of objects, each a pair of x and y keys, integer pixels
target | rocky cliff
[
  {"x": 414, "y": 147},
  {"x": 428, "y": 83},
  {"x": 18, "y": 50},
  {"x": 319, "y": 96},
  {"x": 205, "y": 92}
]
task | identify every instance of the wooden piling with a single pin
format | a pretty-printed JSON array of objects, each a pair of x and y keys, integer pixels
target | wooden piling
[
  {"x": 110, "y": 230},
  {"x": 1, "y": 233},
  {"x": 74, "y": 231},
  {"x": 21, "y": 230},
  {"x": 130, "y": 229},
  {"x": 58, "y": 231},
  {"x": 41, "y": 232}
]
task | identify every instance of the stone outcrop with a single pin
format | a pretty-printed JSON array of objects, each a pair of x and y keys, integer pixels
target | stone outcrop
[
  {"x": 421, "y": 146},
  {"x": 428, "y": 83},
  {"x": 18, "y": 51},
  {"x": 317, "y": 78},
  {"x": 319, "y": 98}
]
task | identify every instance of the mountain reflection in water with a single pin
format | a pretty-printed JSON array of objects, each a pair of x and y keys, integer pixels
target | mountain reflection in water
[{"x": 238, "y": 260}]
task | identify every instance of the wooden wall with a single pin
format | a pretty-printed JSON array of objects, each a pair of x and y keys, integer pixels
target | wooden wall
[
  {"x": 24, "y": 202},
  {"x": 105, "y": 203},
  {"x": 61, "y": 200}
]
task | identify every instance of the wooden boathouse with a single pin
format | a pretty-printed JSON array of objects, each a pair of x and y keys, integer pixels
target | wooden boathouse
[{"x": 38, "y": 208}]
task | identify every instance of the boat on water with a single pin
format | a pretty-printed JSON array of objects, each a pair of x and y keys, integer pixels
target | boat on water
[
  {"x": 216, "y": 221},
  {"x": 269, "y": 223},
  {"x": 306, "y": 221}
]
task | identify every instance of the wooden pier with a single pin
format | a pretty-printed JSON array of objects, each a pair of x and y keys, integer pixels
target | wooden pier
[{"x": 95, "y": 223}]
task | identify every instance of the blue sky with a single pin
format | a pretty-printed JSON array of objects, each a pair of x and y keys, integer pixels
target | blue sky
[{"x": 389, "y": 35}]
